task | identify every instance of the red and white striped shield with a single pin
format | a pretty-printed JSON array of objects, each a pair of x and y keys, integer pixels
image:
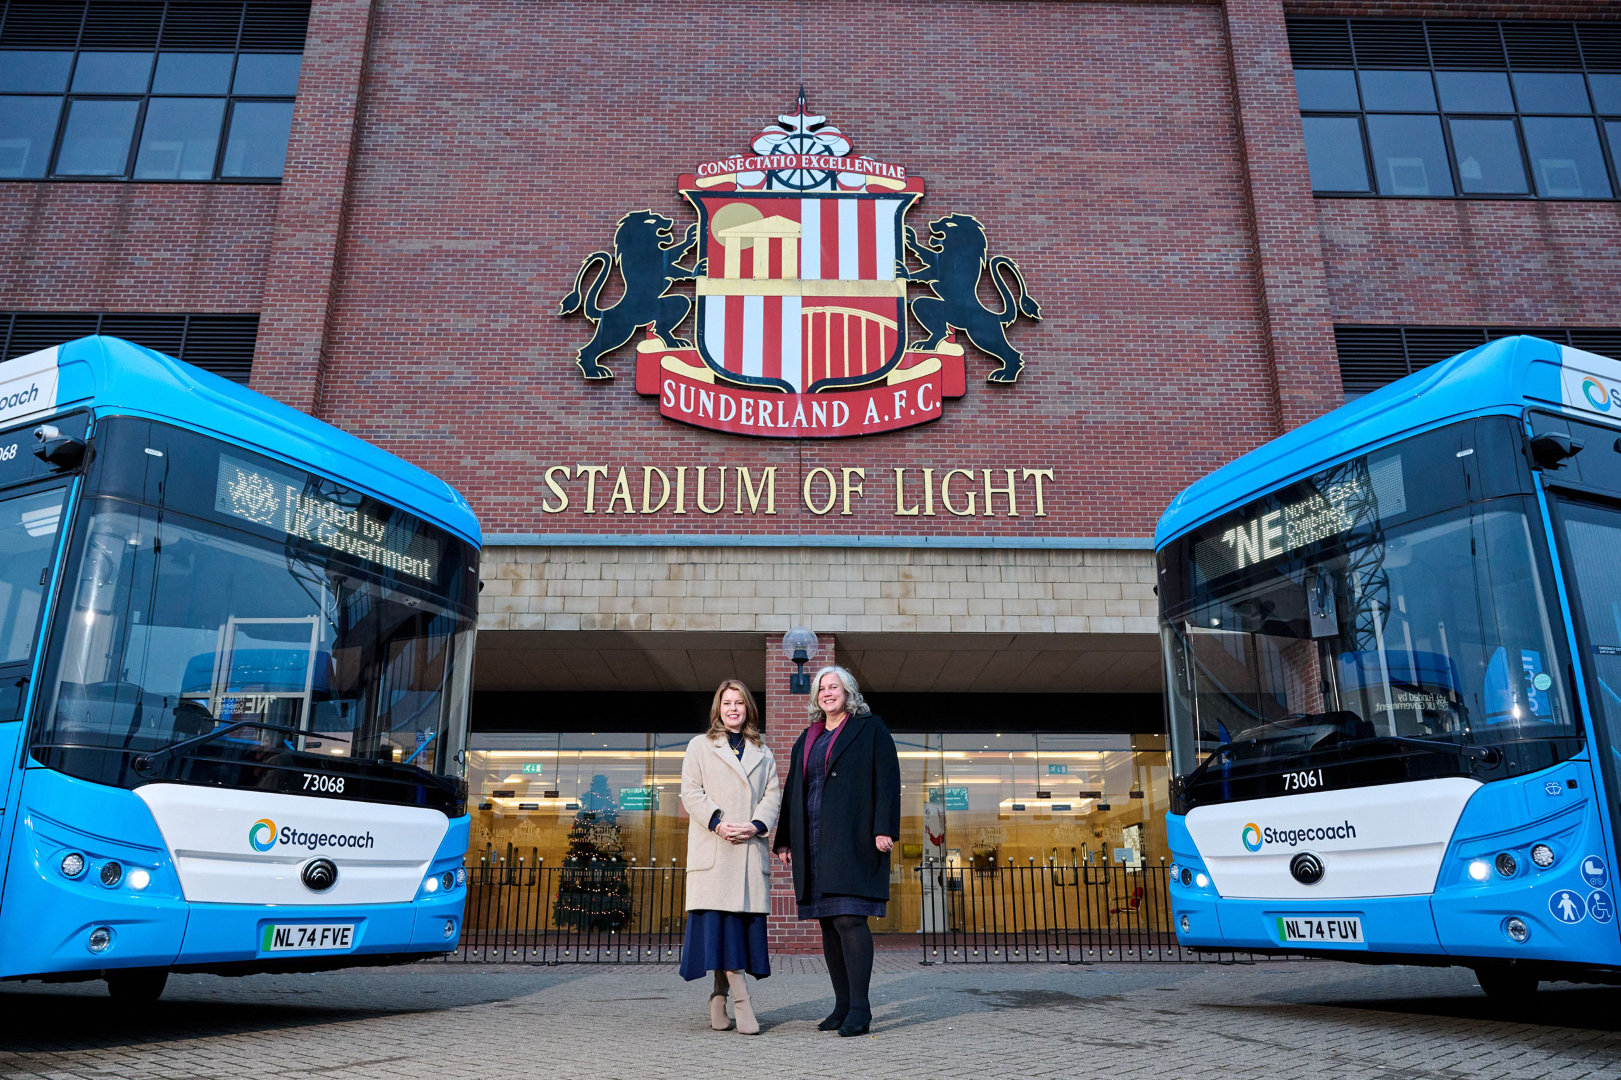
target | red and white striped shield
[{"x": 800, "y": 291}]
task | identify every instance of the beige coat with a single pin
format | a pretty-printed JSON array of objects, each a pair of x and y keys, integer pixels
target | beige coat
[{"x": 721, "y": 875}]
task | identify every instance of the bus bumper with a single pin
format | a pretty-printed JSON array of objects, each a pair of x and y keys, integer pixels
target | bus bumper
[{"x": 1400, "y": 924}]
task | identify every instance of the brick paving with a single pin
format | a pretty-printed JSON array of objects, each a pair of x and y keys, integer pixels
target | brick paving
[{"x": 1277, "y": 1020}]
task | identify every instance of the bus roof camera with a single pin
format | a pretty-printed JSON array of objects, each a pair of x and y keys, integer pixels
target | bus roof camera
[
  {"x": 1550, "y": 449},
  {"x": 62, "y": 451}
]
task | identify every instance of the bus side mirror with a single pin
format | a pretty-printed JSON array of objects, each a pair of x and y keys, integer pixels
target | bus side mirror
[
  {"x": 62, "y": 451},
  {"x": 1551, "y": 449}
]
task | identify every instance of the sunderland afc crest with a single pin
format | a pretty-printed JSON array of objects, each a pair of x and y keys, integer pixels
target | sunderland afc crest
[{"x": 802, "y": 272}]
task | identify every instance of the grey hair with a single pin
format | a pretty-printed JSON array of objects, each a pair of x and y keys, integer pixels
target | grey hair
[{"x": 854, "y": 703}]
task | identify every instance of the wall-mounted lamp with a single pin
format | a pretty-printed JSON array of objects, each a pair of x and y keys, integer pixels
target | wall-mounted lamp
[{"x": 799, "y": 645}]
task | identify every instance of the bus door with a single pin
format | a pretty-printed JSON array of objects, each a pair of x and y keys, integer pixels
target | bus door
[
  {"x": 30, "y": 523},
  {"x": 1589, "y": 539}
]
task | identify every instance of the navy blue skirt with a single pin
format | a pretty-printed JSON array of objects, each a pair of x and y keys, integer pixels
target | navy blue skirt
[{"x": 724, "y": 941}]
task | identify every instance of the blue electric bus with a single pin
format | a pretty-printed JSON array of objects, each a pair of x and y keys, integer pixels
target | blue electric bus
[
  {"x": 1392, "y": 646},
  {"x": 235, "y": 651}
]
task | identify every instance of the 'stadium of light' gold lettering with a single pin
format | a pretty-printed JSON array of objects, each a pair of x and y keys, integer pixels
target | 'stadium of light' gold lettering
[
  {"x": 901, "y": 509},
  {"x": 928, "y": 492},
  {"x": 621, "y": 492},
  {"x": 681, "y": 489},
  {"x": 590, "y": 472},
  {"x": 832, "y": 491},
  {"x": 1038, "y": 474},
  {"x": 945, "y": 493},
  {"x": 990, "y": 507},
  {"x": 648, "y": 472},
  {"x": 719, "y": 502},
  {"x": 768, "y": 488},
  {"x": 562, "y": 496},
  {"x": 852, "y": 486}
]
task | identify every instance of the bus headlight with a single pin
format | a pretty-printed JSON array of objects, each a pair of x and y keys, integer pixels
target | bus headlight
[
  {"x": 1185, "y": 924},
  {"x": 139, "y": 879},
  {"x": 111, "y": 874},
  {"x": 450, "y": 928},
  {"x": 1507, "y": 864},
  {"x": 432, "y": 884},
  {"x": 72, "y": 864},
  {"x": 101, "y": 938},
  {"x": 448, "y": 880},
  {"x": 461, "y": 875},
  {"x": 1187, "y": 877},
  {"x": 1480, "y": 870},
  {"x": 1515, "y": 928},
  {"x": 1202, "y": 880},
  {"x": 1542, "y": 855}
]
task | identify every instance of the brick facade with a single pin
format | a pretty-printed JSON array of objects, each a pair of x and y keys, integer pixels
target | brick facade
[{"x": 452, "y": 163}]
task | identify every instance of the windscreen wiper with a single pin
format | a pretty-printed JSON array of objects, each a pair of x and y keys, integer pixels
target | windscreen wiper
[
  {"x": 1193, "y": 777},
  {"x": 146, "y": 762},
  {"x": 1486, "y": 755}
]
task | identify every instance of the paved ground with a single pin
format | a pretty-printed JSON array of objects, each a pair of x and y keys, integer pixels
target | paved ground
[{"x": 444, "y": 1021}]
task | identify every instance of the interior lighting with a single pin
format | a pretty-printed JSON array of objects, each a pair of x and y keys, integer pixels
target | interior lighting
[
  {"x": 1542, "y": 855},
  {"x": 1480, "y": 870}
]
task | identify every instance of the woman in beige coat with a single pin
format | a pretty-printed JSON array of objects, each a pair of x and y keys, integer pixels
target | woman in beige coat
[{"x": 729, "y": 787}]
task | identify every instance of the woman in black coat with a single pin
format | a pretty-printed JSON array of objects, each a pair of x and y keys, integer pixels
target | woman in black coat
[{"x": 841, "y": 813}]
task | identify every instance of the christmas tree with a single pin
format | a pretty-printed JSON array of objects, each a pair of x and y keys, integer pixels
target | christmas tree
[{"x": 593, "y": 892}]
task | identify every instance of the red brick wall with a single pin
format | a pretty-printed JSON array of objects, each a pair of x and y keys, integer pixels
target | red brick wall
[
  {"x": 134, "y": 247},
  {"x": 1096, "y": 142},
  {"x": 785, "y": 715},
  {"x": 1472, "y": 262},
  {"x": 289, "y": 361}
]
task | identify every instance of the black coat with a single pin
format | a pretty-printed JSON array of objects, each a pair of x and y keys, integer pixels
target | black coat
[{"x": 861, "y": 800}]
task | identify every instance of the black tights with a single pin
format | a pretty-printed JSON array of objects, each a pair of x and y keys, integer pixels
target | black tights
[{"x": 847, "y": 945}]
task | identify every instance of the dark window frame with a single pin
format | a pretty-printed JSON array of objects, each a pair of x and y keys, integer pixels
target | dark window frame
[
  {"x": 1317, "y": 58},
  {"x": 229, "y": 97},
  {"x": 1403, "y": 349},
  {"x": 199, "y": 342}
]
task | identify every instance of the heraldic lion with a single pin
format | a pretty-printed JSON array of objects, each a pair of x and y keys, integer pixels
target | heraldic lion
[
  {"x": 951, "y": 269},
  {"x": 648, "y": 267}
]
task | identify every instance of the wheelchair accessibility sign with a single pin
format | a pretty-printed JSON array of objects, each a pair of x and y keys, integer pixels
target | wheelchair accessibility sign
[{"x": 1600, "y": 907}]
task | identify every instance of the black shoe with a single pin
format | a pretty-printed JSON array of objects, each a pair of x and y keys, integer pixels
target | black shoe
[
  {"x": 835, "y": 1020},
  {"x": 856, "y": 1024}
]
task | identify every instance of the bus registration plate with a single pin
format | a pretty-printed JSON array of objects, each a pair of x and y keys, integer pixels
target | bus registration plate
[
  {"x": 1316, "y": 928},
  {"x": 308, "y": 937}
]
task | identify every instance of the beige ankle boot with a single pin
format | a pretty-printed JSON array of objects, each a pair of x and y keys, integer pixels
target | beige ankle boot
[
  {"x": 746, "y": 1023},
  {"x": 717, "y": 1004}
]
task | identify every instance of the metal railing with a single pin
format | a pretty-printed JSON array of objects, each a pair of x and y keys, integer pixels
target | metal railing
[
  {"x": 619, "y": 913},
  {"x": 1048, "y": 912},
  {"x": 600, "y": 913}
]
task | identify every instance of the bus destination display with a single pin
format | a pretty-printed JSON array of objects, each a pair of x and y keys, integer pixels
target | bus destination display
[
  {"x": 267, "y": 497},
  {"x": 1357, "y": 492}
]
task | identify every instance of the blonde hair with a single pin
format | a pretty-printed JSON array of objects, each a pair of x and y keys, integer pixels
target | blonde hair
[
  {"x": 854, "y": 703},
  {"x": 752, "y": 725}
]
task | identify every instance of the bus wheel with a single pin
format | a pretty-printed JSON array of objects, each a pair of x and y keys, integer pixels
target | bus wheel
[
  {"x": 1504, "y": 983},
  {"x": 137, "y": 986}
]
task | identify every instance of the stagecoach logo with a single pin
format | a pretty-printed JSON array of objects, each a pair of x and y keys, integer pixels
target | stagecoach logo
[
  {"x": 262, "y": 835},
  {"x": 802, "y": 270}
]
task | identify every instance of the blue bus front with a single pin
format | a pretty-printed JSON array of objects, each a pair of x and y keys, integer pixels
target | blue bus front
[
  {"x": 1392, "y": 646},
  {"x": 235, "y": 651}
]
